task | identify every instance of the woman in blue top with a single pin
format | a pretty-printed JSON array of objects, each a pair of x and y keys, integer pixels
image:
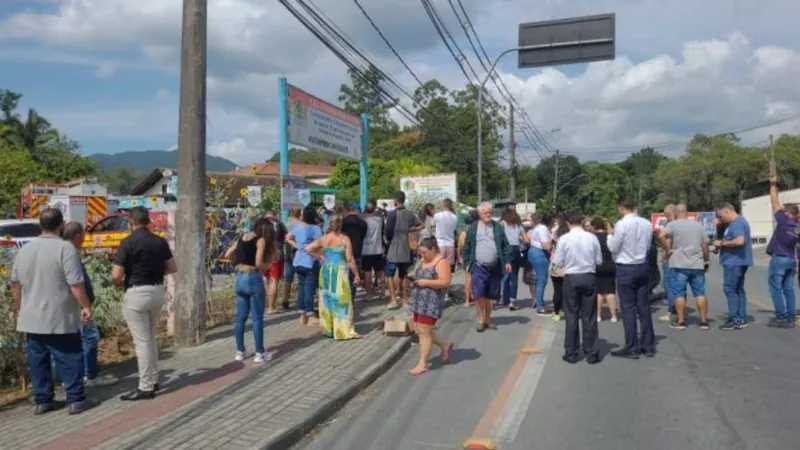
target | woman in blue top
[{"x": 306, "y": 265}]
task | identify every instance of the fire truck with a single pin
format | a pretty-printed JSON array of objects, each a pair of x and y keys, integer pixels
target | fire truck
[
  {"x": 110, "y": 231},
  {"x": 77, "y": 201}
]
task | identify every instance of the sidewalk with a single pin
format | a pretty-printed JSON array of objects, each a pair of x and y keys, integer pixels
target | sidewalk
[{"x": 209, "y": 401}]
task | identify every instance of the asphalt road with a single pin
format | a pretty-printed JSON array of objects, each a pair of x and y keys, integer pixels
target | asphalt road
[{"x": 704, "y": 390}]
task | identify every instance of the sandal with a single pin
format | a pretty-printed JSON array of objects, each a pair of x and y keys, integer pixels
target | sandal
[
  {"x": 447, "y": 353},
  {"x": 417, "y": 372}
]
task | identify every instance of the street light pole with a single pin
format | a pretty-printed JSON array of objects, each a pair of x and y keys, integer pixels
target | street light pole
[{"x": 480, "y": 118}]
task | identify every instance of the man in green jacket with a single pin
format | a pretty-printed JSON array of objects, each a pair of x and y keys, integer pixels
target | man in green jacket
[{"x": 486, "y": 254}]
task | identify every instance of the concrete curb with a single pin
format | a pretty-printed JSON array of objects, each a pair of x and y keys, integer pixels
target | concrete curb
[{"x": 288, "y": 436}]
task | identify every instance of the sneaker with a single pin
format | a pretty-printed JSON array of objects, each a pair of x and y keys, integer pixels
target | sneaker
[
  {"x": 543, "y": 313},
  {"x": 261, "y": 358},
  {"x": 614, "y": 320},
  {"x": 729, "y": 325},
  {"x": 704, "y": 326},
  {"x": 665, "y": 318},
  {"x": 101, "y": 381},
  {"x": 556, "y": 317},
  {"x": 775, "y": 323},
  {"x": 743, "y": 325},
  {"x": 599, "y": 319},
  {"x": 678, "y": 325},
  {"x": 239, "y": 356}
]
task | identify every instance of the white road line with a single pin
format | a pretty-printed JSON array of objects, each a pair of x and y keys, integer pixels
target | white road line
[{"x": 509, "y": 422}]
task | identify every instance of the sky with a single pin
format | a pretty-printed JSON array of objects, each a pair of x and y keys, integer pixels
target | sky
[{"x": 105, "y": 72}]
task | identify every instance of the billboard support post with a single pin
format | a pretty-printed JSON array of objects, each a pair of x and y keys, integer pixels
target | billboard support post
[
  {"x": 283, "y": 138},
  {"x": 364, "y": 172},
  {"x": 549, "y": 43}
]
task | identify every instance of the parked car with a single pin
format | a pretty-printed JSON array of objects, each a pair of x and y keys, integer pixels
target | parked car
[{"x": 18, "y": 232}]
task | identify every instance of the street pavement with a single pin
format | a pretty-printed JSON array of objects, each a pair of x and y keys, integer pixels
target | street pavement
[
  {"x": 209, "y": 401},
  {"x": 703, "y": 390}
]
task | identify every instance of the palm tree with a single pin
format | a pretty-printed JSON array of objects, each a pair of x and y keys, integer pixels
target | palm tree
[{"x": 34, "y": 133}]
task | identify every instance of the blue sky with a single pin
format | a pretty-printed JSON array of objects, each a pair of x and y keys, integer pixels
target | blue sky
[{"x": 105, "y": 71}]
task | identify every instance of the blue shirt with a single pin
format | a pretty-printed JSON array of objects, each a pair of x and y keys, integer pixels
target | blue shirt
[
  {"x": 737, "y": 256},
  {"x": 784, "y": 239},
  {"x": 304, "y": 235}
]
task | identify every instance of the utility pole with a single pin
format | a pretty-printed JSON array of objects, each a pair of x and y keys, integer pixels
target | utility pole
[
  {"x": 639, "y": 202},
  {"x": 512, "y": 156},
  {"x": 555, "y": 182},
  {"x": 190, "y": 299}
]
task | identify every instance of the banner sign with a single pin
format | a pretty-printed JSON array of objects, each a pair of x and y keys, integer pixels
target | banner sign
[
  {"x": 709, "y": 222},
  {"x": 254, "y": 195},
  {"x": 319, "y": 125},
  {"x": 442, "y": 185},
  {"x": 659, "y": 220},
  {"x": 291, "y": 192}
]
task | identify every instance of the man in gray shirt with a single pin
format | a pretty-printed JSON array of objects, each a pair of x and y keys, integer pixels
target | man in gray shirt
[
  {"x": 51, "y": 302},
  {"x": 686, "y": 245},
  {"x": 400, "y": 224}
]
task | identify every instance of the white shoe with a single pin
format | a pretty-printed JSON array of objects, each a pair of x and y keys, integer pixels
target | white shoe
[
  {"x": 599, "y": 319},
  {"x": 665, "y": 318},
  {"x": 239, "y": 356},
  {"x": 261, "y": 358},
  {"x": 614, "y": 320},
  {"x": 101, "y": 381}
]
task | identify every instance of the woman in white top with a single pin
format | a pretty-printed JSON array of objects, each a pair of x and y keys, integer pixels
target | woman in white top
[
  {"x": 539, "y": 256},
  {"x": 515, "y": 234}
]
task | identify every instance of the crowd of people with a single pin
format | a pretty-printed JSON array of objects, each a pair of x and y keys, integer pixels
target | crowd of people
[{"x": 590, "y": 263}]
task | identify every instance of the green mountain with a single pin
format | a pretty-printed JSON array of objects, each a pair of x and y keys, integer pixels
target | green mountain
[{"x": 148, "y": 160}]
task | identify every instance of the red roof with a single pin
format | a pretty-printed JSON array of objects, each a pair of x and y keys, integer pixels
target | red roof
[{"x": 273, "y": 168}]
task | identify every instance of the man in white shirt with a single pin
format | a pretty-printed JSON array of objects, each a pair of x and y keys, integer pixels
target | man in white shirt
[
  {"x": 579, "y": 253},
  {"x": 444, "y": 229},
  {"x": 629, "y": 244}
]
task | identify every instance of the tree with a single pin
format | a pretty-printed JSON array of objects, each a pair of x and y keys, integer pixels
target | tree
[
  {"x": 365, "y": 94},
  {"x": 120, "y": 180},
  {"x": 17, "y": 168}
]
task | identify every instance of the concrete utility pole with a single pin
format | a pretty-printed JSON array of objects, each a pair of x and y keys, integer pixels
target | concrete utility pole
[
  {"x": 512, "y": 156},
  {"x": 190, "y": 300},
  {"x": 555, "y": 181}
]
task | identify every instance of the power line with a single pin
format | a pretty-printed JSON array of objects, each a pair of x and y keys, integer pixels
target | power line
[
  {"x": 527, "y": 122},
  {"x": 386, "y": 41}
]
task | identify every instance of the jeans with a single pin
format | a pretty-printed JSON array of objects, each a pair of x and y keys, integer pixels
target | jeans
[
  {"x": 90, "y": 336},
  {"x": 540, "y": 260},
  {"x": 306, "y": 285},
  {"x": 250, "y": 301},
  {"x": 666, "y": 283},
  {"x": 66, "y": 351},
  {"x": 733, "y": 286},
  {"x": 511, "y": 280},
  {"x": 781, "y": 286}
]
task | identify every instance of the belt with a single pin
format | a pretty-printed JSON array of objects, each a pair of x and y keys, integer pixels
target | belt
[{"x": 143, "y": 285}]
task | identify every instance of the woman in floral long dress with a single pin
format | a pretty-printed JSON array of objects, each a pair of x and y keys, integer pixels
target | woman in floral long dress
[
  {"x": 430, "y": 284},
  {"x": 335, "y": 298}
]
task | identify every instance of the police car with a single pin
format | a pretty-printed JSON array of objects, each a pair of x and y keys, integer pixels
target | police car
[{"x": 18, "y": 232}]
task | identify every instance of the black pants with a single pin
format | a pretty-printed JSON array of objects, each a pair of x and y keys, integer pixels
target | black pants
[
  {"x": 580, "y": 306},
  {"x": 633, "y": 289},
  {"x": 558, "y": 294}
]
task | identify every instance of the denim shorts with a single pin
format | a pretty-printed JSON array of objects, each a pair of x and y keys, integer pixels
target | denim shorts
[
  {"x": 400, "y": 268},
  {"x": 695, "y": 278}
]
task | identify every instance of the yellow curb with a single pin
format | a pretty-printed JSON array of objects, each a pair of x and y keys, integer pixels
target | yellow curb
[
  {"x": 479, "y": 444},
  {"x": 531, "y": 351}
]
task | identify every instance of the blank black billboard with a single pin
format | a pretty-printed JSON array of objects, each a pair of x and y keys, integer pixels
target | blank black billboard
[{"x": 567, "y": 41}]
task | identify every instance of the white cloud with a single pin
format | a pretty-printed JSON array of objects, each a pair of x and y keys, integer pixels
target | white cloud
[{"x": 722, "y": 64}]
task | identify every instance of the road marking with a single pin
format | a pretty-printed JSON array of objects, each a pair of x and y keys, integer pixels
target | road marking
[
  {"x": 496, "y": 408},
  {"x": 508, "y": 424}
]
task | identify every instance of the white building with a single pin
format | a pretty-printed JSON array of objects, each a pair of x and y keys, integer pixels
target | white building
[{"x": 758, "y": 212}]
